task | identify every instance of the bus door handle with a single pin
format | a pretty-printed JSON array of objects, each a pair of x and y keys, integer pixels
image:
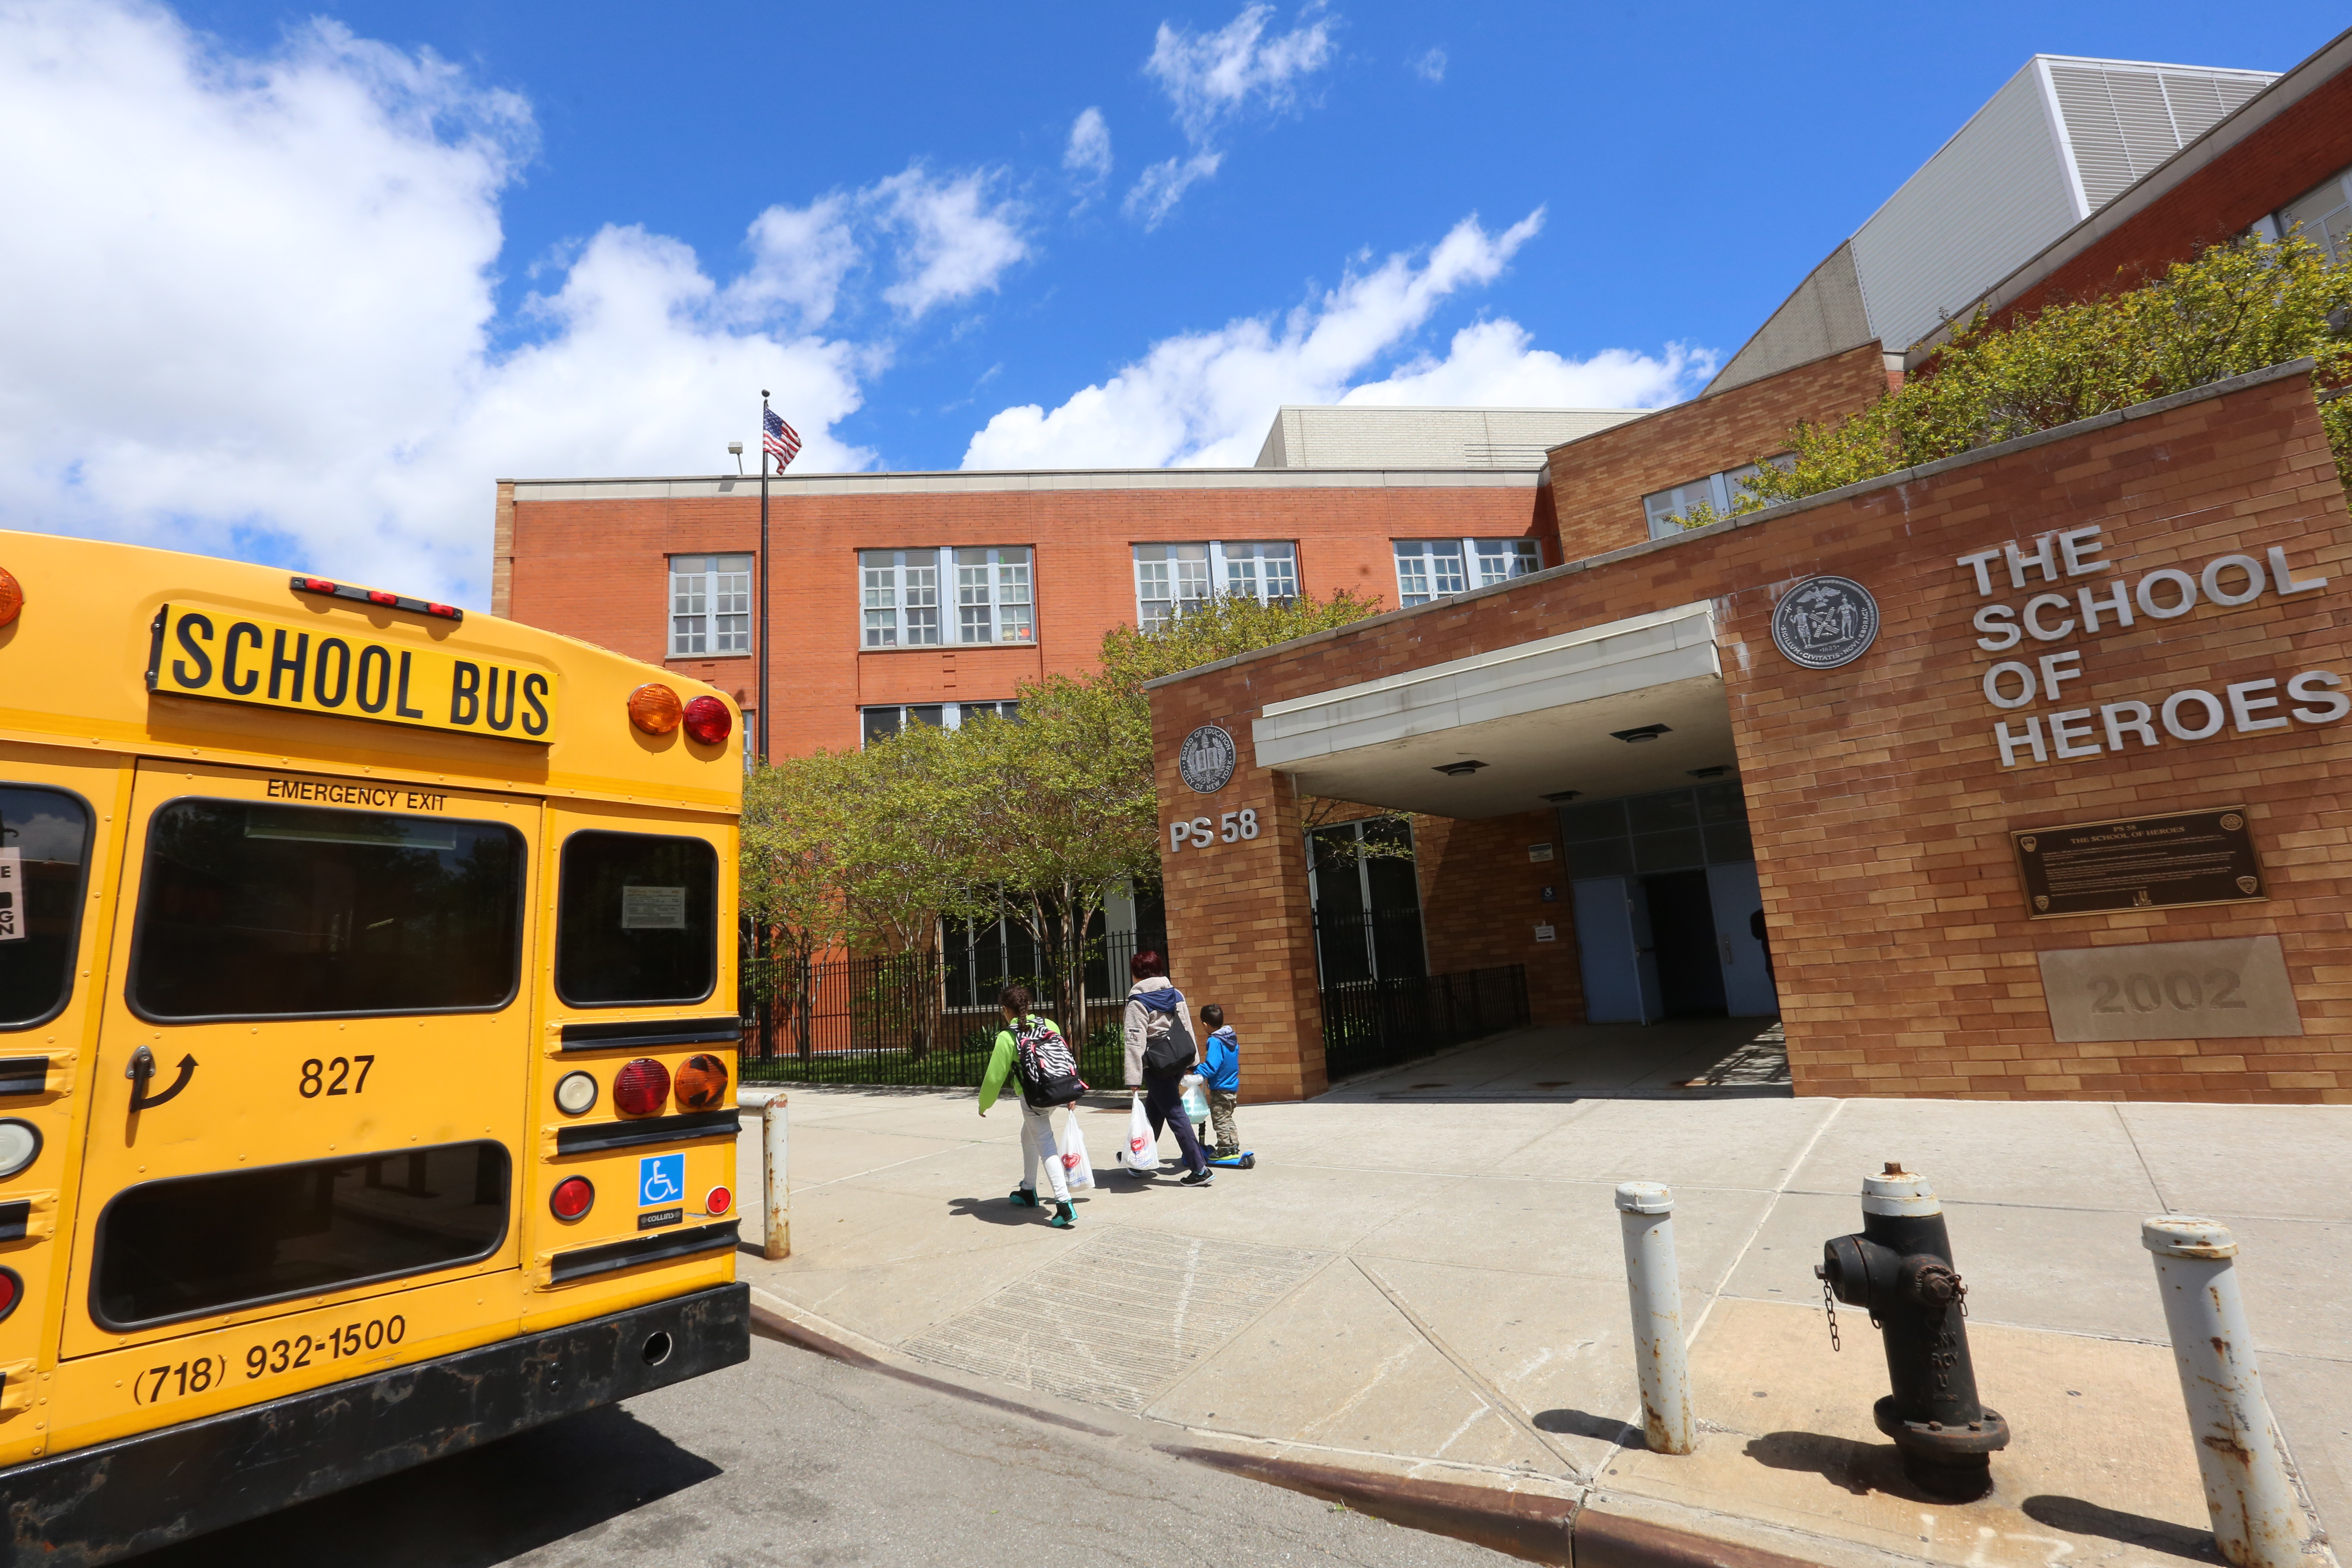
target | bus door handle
[{"x": 142, "y": 1072}]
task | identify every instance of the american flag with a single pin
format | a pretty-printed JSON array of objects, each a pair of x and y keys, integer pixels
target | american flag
[{"x": 783, "y": 442}]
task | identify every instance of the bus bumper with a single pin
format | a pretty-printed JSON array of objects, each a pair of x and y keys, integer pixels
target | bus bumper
[{"x": 97, "y": 1504}]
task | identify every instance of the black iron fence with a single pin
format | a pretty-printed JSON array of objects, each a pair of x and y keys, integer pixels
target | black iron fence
[
  {"x": 918, "y": 1018},
  {"x": 1369, "y": 1024}
]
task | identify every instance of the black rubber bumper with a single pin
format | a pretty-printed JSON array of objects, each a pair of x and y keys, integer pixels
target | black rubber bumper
[{"x": 99, "y": 1504}]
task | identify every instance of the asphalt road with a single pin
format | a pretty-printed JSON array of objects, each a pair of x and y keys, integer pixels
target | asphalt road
[{"x": 796, "y": 1459}]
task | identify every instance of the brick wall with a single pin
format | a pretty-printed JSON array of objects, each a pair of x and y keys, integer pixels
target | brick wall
[
  {"x": 596, "y": 570},
  {"x": 1482, "y": 899},
  {"x": 1598, "y": 482},
  {"x": 1880, "y": 810}
]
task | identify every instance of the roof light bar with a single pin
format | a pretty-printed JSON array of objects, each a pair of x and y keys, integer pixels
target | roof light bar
[{"x": 375, "y": 596}]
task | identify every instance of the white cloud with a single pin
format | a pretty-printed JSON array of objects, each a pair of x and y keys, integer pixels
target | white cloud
[
  {"x": 251, "y": 306},
  {"x": 1211, "y": 79},
  {"x": 1205, "y": 398},
  {"x": 800, "y": 257},
  {"x": 1164, "y": 183},
  {"x": 1429, "y": 66},
  {"x": 955, "y": 241},
  {"x": 1491, "y": 365},
  {"x": 1089, "y": 153}
]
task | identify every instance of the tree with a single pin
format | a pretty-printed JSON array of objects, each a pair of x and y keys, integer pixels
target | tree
[{"x": 2238, "y": 307}]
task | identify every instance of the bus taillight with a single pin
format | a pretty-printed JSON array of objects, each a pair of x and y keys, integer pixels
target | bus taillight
[
  {"x": 701, "y": 1083},
  {"x": 654, "y": 709},
  {"x": 640, "y": 1088},
  {"x": 708, "y": 720},
  {"x": 572, "y": 1197}
]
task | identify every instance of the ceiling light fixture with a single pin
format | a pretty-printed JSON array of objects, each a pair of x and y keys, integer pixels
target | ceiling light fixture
[
  {"x": 1646, "y": 732},
  {"x": 1716, "y": 772},
  {"x": 1563, "y": 796},
  {"x": 1458, "y": 770}
]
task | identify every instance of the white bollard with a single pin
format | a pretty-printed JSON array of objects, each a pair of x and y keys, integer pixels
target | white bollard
[
  {"x": 1645, "y": 1214},
  {"x": 776, "y": 1195},
  {"x": 2257, "y": 1522}
]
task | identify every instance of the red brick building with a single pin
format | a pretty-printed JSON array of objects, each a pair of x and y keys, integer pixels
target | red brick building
[{"x": 1617, "y": 780}]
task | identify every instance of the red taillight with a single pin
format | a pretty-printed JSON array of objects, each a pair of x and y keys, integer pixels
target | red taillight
[
  {"x": 571, "y": 1198},
  {"x": 318, "y": 585},
  {"x": 447, "y": 612},
  {"x": 718, "y": 1202},
  {"x": 708, "y": 720},
  {"x": 701, "y": 1083},
  {"x": 378, "y": 596},
  {"x": 641, "y": 1088}
]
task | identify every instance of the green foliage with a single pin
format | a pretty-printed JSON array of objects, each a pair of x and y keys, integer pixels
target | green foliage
[
  {"x": 1036, "y": 819},
  {"x": 1225, "y": 626},
  {"x": 2238, "y": 307}
]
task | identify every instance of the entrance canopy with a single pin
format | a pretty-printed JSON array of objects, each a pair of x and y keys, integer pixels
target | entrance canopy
[{"x": 1622, "y": 708}]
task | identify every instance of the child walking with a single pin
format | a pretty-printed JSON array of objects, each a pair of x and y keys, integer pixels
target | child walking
[
  {"x": 1221, "y": 1068},
  {"x": 1031, "y": 1051}
]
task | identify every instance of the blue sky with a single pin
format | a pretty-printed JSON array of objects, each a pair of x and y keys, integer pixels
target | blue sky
[{"x": 378, "y": 254}]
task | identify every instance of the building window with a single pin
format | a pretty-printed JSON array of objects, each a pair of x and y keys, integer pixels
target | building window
[
  {"x": 994, "y": 601},
  {"x": 1436, "y": 568},
  {"x": 2325, "y": 214},
  {"x": 1171, "y": 579},
  {"x": 1664, "y": 510},
  {"x": 709, "y": 605},
  {"x": 881, "y": 723},
  {"x": 900, "y": 597}
]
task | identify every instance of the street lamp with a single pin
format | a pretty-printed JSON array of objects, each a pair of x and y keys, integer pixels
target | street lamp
[{"x": 735, "y": 451}]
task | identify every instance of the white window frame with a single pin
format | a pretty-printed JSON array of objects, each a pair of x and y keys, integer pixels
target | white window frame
[
  {"x": 995, "y": 593},
  {"x": 709, "y": 606},
  {"x": 1659, "y": 508},
  {"x": 1177, "y": 576},
  {"x": 1431, "y": 569},
  {"x": 2317, "y": 227},
  {"x": 957, "y": 596}
]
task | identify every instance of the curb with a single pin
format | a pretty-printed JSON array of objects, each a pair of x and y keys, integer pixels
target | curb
[{"x": 1526, "y": 1525}]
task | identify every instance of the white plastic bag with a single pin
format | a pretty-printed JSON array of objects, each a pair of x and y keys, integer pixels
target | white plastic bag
[
  {"x": 1142, "y": 1150},
  {"x": 1196, "y": 1100},
  {"x": 1078, "y": 1170}
]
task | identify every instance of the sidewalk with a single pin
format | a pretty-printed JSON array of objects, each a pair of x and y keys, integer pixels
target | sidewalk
[{"x": 1435, "y": 1290}]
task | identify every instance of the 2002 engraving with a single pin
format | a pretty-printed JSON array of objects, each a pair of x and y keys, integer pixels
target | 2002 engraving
[{"x": 2234, "y": 989}]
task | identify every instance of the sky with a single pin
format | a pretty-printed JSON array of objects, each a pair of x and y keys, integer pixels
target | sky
[{"x": 299, "y": 285}]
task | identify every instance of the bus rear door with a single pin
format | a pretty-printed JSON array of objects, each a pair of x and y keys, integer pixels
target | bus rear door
[{"x": 306, "y": 1119}]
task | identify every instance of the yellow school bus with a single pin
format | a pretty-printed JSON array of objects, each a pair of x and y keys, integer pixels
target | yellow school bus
[{"x": 367, "y": 1037}]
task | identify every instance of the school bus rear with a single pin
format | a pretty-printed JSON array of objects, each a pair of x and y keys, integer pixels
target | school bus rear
[{"x": 367, "y": 1037}]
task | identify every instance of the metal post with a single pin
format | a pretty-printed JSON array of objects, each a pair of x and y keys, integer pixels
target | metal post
[
  {"x": 2257, "y": 1522},
  {"x": 1645, "y": 1214},
  {"x": 775, "y": 1201},
  {"x": 763, "y": 632}
]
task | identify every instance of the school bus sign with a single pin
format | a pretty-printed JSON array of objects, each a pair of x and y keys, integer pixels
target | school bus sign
[{"x": 229, "y": 656}]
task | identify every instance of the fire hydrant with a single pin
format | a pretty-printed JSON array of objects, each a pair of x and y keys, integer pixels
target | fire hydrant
[{"x": 1899, "y": 1269}]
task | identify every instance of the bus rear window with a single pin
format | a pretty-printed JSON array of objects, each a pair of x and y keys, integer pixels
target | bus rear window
[
  {"x": 200, "y": 1244},
  {"x": 637, "y": 920},
  {"x": 44, "y": 854},
  {"x": 258, "y": 911}
]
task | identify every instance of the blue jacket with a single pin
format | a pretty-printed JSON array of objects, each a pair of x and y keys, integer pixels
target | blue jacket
[{"x": 1221, "y": 1061}]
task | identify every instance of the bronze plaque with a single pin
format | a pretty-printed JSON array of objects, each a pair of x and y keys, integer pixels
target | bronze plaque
[{"x": 2139, "y": 863}]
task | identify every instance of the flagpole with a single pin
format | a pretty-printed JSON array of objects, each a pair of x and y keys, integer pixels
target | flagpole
[{"x": 764, "y": 731}]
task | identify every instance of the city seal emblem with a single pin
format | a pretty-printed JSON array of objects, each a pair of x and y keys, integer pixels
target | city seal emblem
[
  {"x": 1206, "y": 760},
  {"x": 1824, "y": 622}
]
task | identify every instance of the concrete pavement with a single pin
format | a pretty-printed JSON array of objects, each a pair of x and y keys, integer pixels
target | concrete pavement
[{"x": 1423, "y": 1279}]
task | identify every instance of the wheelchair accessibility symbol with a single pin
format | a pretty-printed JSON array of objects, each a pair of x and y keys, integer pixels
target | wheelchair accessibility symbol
[{"x": 661, "y": 1179}]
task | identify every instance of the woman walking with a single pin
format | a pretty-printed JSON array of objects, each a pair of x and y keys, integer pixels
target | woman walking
[
  {"x": 1160, "y": 1051},
  {"x": 1044, "y": 1068}
]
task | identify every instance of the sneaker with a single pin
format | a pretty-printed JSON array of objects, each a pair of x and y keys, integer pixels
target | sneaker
[
  {"x": 1065, "y": 1216},
  {"x": 1196, "y": 1179},
  {"x": 1024, "y": 1197}
]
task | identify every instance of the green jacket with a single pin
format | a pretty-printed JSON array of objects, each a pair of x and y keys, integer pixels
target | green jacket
[{"x": 1000, "y": 1066}]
